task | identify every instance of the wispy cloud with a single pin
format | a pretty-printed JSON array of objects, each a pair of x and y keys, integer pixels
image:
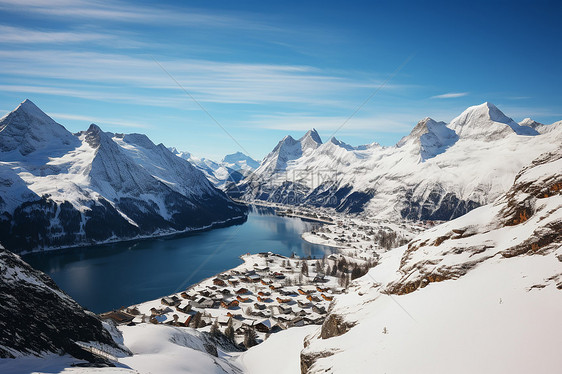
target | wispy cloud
[
  {"x": 132, "y": 13},
  {"x": 123, "y": 78},
  {"x": 9, "y": 34},
  {"x": 101, "y": 121},
  {"x": 450, "y": 95}
]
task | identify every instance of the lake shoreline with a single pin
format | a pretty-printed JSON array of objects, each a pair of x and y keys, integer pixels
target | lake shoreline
[{"x": 166, "y": 235}]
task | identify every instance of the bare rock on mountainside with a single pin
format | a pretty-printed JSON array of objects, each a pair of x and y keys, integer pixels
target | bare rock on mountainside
[
  {"x": 532, "y": 204},
  {"x": 37, "y": 318}
]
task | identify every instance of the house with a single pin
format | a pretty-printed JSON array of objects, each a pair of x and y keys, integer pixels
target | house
[
  {"x": 278, "y": 275},
  {"x": 242, "y": 291},
  {"x": 319, "y": 278},
  {"x": 285, "y": 309},
  {"x": 259, "y": 306},
  {"x": 297, "y": 322},
  {"x": 189, "y": 295},
  {"x": 223, "y": 320},
  {"x": 264, "y": 326},
  {"x": 282, "y": 301},
  {"x": 313, "y": 298},
  {"x": 319, "y": 309},
  {"x": 254, "y": 278},
  {"x": 133, "y": 311},
  {"x": 304, "y": 304},
  {"x": 242, "y": 299},
  {"x": 169, "y": 301},
  {"x": 219, "y": 282},
  {"x": 184, "y": 307},
  {"x": 327, "y": 298},
  {"x": 262, "y": 293},
  {"x": 229, "y": 303},
  {"x": 319, "y": 289},
  {"x": 225, "y": 291},
  {"x": 204, "y": 302},
  {"x": 302, "y": 292},
  {"x": 278, "y": 327},
  {"x": 233, "y": 282},
  {"x": 119, "y": 317},
  {"x": 184, "y": 321}
]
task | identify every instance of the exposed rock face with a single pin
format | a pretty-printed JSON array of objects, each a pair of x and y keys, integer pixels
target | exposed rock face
[
  {"x": 335, "y": 325},
  {"x": 37, "y": 318},
  {"x": 533, "y": 202},
  {"x": 308, "y": 359}
]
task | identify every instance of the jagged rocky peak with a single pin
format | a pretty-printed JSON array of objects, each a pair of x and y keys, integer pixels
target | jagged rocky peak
[
  {"x": 339, "y": 143},
  {"x": 487, "y": 122},
  {"x": 28, "y": 129},
  {"x": 310, "y": 140},
  {"x": 95, "y": 136}
]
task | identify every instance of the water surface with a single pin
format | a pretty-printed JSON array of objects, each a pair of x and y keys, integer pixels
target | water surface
[{"x": 103, "y": 278}]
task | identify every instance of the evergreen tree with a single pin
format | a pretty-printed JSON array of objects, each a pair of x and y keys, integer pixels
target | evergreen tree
[
  {"x": 215, "y": 329},
  {"x": 304, "y": 269},
  {"x": 250, "y": 338},
  {"x": 196, "y": 320},
  {"x": 229, "y": 331}
]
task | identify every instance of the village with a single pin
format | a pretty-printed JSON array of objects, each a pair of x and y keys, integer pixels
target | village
[{"x": 268, "y": 292}]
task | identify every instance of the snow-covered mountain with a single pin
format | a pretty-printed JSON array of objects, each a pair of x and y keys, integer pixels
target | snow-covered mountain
[
  {"x": 232, "y": 169},
  {"x": 63, "y": 189},
  {"x": 479, "y": 294},
  {"x": 239, "y": 161},
  {"x": 439, "y": 171},
  {"x": 540, "y": 127}
]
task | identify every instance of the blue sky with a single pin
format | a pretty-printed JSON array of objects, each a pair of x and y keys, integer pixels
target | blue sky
[{"x": 264, "y": 69}]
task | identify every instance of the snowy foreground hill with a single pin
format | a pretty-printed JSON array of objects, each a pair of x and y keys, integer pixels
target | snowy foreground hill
[
  {"x": 62, "y": 189},
  {"x": 479, "y": 294},
  {"x": 439, "y": 171}
]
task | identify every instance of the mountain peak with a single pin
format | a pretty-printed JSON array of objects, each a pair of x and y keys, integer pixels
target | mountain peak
[
  {"x": 312, "y": 134},
  {"x": 28, "y": 108},
  {"x": 429, "y": 138},
  {"x": 28, "y": 129},
  {"x": 487, "y": 122}
]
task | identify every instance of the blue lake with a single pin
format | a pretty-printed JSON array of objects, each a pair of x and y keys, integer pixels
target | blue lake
[{"x": 106, "y": 277}]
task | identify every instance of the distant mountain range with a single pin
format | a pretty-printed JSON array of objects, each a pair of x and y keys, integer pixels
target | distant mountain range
[
  {"x": 63, "y": 189},
  {"x": 438, "y": 172},
  {"x": 232, "y": 169}
]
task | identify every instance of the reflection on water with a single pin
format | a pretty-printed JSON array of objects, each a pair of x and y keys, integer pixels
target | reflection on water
[{"x": 105, "y": 277}]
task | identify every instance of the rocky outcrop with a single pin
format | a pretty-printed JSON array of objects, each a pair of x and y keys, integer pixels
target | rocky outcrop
[
  {"x": 334, "y": 325},
  {"x": 37, "y": 318}
]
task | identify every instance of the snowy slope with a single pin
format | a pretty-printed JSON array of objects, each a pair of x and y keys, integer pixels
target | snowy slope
[
  {"x": 63, "y": 189},
  {"x": 439, "y": 171},
  {"x": 481, "y": 293}
]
